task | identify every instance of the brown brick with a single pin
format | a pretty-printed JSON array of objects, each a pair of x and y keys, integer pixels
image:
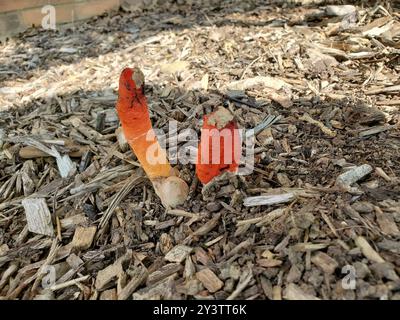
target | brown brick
[
  {"x": 14, "y": 22},
  {"x": 66, "y": 13},
  {"x": 92, "y": 8},
  {"x": 7, "y": 6},
  {"x": 11, "y": 23}
]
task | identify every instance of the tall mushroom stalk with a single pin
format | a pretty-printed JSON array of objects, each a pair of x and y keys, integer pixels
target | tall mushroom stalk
[
  {"x": 220, "y": 145},
  {"x": 135, "y": 121}
]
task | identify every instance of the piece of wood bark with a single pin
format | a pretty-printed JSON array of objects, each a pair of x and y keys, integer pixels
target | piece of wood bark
[
  {"x": 163, "y": 272},
  {"x": 306, "y": 117},
  {"x": 74, "y": 261},
  {"x": 30, "y": 152},
  {"x": 270, "y": 216},
  {"x": 268, "y": 200},
  {"x": 72, "y": 282},
  {"x": 73, "y": 221},
  {"x": 375, "y": 130},
  {"x": 105, "y": 276},
  {"x": 163, "y": 290},
  {"x": 305, "y": 246},
  {"x": 110, "y": 294},
  {"x": 83, "y": 237},
  {"x": 139, "y": 276},
  {"x": 264, "y": 81},
  {"x": 351, "y": 176},
  {"x": 367, "y": 250},
  {"x": 87, "y": 131},
  {"x": 111, "y": 272},
  {"x": 388, "y": 89},
  {"x": 178, "y": 253},
  {"x": 205, "y": 228},
  {"x": 324, "y": 262},
  {"x": 244, "y": 280},
  {"x": 277, "y": 293},
  {"x": 38, "y": 216},
  {"x": 386, "y": 222},
  {"x": 379, "y": 171},
  {"x": 209, "y": 280},
  {"x": 269, "y": 263},
  {"x": 294, "y": 292}
]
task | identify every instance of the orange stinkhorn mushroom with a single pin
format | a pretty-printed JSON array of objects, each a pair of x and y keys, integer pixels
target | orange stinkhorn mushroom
[
  {"x": 135, "y": 121},
  {"x": 220, "y": 145}
]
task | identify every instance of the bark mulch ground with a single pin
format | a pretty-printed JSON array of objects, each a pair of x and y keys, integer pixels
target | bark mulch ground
[{"x": 80, "y": 220}]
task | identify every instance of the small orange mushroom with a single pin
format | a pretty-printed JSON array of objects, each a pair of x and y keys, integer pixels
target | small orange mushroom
[
  {"x": 220, "y": 146},
  {"x": 135, "y": 121}
]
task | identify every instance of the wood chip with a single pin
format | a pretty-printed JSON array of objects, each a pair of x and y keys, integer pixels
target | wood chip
[
  {"x": 109, "y": 295},
  {"x": 265, "y": 81},
  {"x": 111, "y": 272},
  {"x": 268, "y": 200},
  {"x": 303, "y": 247},
  {"x": 209, "y": 280},
  {"x": 294, "y": 292},
  {"x": 138, "y": 277},
  {"x": 38, "y": 216},
  {"x": 324, "y": 262},
  {"x": 208, "y": 226},
  {"x": 178, "y": 253},
  {"x": 306, "y": 117},
  {"x": 163, "y": 290},
  {"x": 244, "y": 280},
  {"x": 367, "y": 250},
  {"x": 340, "y": 10},
  {"x": 351, "y": 176},
  {"x": 31, "y": 152},
  {"x": 269, "y": 263},
  {"x": 381, "y": 173},
  {"x": 73, "y": 221},
  {"x": 163, "y": 272},
  {"x": 386, "y": 222},
  {"x": 174, "y": 67},
  {"x": 83, "y": 237},
  {"x": 68, "y": 283},
  {"x": 375, "y": 130},
  {"x": 388, "y": 89},
  {"x": 271, "y": 216},
  {"x": 277, "y": 293}
]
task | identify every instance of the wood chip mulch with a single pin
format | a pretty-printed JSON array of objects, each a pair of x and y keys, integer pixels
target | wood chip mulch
[{"x": 80, "y": 220}]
